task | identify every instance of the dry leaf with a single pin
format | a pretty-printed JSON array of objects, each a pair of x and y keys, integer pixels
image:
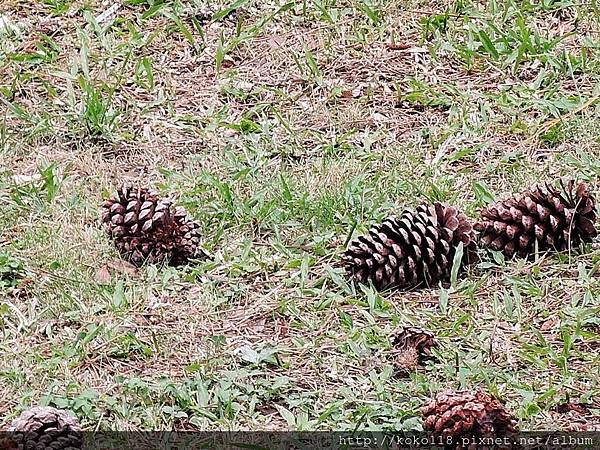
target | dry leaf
[
  {"x": 578, "y": 408},
  {"x": 103, "y": 275},
  {"x": 282, "y": 328},
  {"x": 550, "y": 323},
  {"x": 358, "y": 91},
  {"x": 276, "y": 42},
  {"x": 228, "y": 62},
  {"x": 417, "y": 50},
  {"x": 123, "y": 266},
  {"x": 109, "y": 14},
  {"x": 24, "y": 179},
  {"x": 397, "y": 46}
]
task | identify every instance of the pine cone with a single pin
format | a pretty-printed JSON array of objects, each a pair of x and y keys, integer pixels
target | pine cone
[
  {"x": 145, "y": 229},
  {"x": 45, "y": 427},
  {"x": 463, "y": 415},
  {"x": 555, "y": 220},
  {"x": 412, "y": 346},
  {"x": 416, "y": 249}
]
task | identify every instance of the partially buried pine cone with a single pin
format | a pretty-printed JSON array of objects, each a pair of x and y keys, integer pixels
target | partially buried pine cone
[
  {"x": 411, "y": 347},
  {"x": 555, "y": 220},
  {"x": 415, "y": 249},
  {"x": 146, "y": 229},
  {"x": 45, "y": 427},
  {"x": 464, "y": 414}
]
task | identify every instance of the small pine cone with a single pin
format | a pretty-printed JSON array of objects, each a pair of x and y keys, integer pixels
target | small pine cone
[
  {"x": 465, "y": 414},
  {"x": 45, "y": 427},
  {"x": 555, "y": 220},
  {"x": 415, "y": 249},
  {"x": 406, "y": 361},
  {"x": 411, "y": 347},
  {"x": 146, "y": 229}
]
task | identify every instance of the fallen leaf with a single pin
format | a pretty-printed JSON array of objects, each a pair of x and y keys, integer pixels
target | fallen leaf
[
  {"x": 578, "y": 408},
  {"x": 24, "y": 283},
  {"x": 417, "y": 50},
  {"x": 227, "y": 62},
  {"x": 248, "y": 354},
  {"x": 276, "y": 42},
  {"x": 550, "y": 323},
  {"x": 109, "y": 14},
  {"x": 282, "y": 328},
  {"x": 358, "y": 91},
  {"x": 346, "y": 93},
  {"x": 123, "y": 266},
  {"x": 157, "y": 302},
  {"x": 398, "y": 46},
  {"x": 24, "y": 179},
  {"x": 103, "y": 275},
  {"x": 23, "y": 288}
]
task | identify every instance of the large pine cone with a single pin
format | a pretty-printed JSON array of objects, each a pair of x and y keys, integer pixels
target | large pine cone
[
  {"x": 466, "y": 414},
  {"x": 45, "y": 427},
  {"x": 555, "y": 220},
  {"x": 416, "y": 249},
  {"x": 145, "y": 229},
  {"x": 411, "y": 347}
]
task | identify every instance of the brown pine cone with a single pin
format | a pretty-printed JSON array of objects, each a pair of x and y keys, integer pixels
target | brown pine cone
[
  {"x": 555, "y": 220},
  {"x": 465, "y": 414},
  {"x": 45, "y": 428},
  {"x": 415, "y": 249},
  {"x": 146, "y": 229},
  {"x": 411, "y": 347}
]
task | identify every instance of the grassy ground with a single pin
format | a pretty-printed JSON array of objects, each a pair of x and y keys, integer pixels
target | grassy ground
[{"x": 287, "y": 128}]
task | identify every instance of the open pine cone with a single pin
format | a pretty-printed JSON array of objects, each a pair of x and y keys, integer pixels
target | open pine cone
[
  {"x": 415, "y": 249},
  {"x": 411, "y": 347},
  {"x": 555, "y": 220},
  {"x": 146, "y": 229},
  {"x": 464, "y": 414},
  {"x": 45, "y": 427}
]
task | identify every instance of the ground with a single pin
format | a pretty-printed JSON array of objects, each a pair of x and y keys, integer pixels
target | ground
[{"x": 286, "y": 129}]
